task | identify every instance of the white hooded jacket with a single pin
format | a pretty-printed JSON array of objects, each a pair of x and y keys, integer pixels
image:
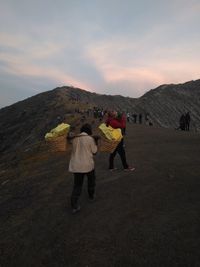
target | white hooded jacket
[{"x": 83, "y": 150}]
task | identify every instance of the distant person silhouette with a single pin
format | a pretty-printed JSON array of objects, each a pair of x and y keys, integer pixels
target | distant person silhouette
[
  {"x": 187, "y": 121},
  {"x": 135, "y": 118},
  {"x": 140, "y": 118},
  {"x": 182, "y": 123}
]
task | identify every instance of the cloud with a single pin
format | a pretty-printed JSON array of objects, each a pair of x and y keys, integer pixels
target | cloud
[
  {"x": 20, "y": 56},
  {"x": 29, "y": 48},
  {"x": 116, "y": 62},
  {"x": 105, "y": 47},
  {"x": 51, "y": 73},
  {"x": 150, "y": 60}
]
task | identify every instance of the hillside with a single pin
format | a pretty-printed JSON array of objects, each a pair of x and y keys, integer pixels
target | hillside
[
  {"x": 167, "y": 102},
  {"x": 27, "y": 121}
]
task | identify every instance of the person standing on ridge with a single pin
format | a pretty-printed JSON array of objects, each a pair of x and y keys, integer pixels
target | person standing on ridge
[
  {"x": 187, "y": 121},
  {"x": 140, "y": 118}
]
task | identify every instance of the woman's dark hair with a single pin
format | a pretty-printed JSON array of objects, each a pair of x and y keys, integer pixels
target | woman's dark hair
[{"x": 86, "y": 128}]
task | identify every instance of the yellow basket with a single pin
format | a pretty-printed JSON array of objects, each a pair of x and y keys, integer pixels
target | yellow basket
[
  {"x": 57, "y": 144},
  {"x": 106, "y": 145}
]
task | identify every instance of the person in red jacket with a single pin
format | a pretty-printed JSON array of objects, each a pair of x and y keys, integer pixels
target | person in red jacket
[{"x": 116, "y": 120}]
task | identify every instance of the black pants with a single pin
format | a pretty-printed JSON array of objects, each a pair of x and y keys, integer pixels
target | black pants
[
  {"x": 78, "y": 184},
  {"x": 187, "y": 126},
  {"x": 120, "y": 150}
]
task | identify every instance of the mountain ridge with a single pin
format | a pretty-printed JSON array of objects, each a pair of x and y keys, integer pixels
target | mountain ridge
[{"x": 28, "y": 120}]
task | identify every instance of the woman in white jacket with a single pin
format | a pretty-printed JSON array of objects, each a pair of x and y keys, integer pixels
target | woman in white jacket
[{"x": 84, "y": 147}]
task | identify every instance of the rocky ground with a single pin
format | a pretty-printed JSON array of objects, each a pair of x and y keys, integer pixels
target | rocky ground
[{"x": 149, "y": 217}]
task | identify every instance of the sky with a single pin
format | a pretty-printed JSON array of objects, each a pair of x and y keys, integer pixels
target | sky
[{"x": 113, "y": 47}]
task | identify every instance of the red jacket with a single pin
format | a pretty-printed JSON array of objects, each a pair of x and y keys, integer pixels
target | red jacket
[{"x": 116, "y": 123}]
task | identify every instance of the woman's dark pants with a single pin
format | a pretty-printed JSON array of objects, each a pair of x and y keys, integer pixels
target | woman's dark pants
[
  {"x": 78, "y": 184},
  {"x": 120, "y": 150}
]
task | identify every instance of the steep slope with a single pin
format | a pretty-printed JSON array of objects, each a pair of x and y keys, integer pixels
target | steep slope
[{"x": 27, "y": 121}]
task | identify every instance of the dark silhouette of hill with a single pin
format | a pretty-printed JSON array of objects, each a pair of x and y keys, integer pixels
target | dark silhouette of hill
[{"x": 27, "y": 121}]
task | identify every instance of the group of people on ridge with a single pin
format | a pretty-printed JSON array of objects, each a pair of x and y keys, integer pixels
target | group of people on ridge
[
  {"x": 184, "y": 122},
  {"x": 84, "y": 147}
]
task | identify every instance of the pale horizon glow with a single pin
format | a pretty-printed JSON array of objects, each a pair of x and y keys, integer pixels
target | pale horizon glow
[{"x": 108, "y": 47}]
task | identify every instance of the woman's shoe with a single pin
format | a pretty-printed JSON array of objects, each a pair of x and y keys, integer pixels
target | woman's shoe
[
  {"x": 129, "y": 169},
  {"x": 114, "y": 169},
  {"x": 75, "y": 210}
]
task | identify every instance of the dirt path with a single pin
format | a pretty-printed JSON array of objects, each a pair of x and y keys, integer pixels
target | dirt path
[{"x": 149, "y": 217}]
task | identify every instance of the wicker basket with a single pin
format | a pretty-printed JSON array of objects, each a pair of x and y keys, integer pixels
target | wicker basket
[
  {"x": 58, "y": 144},
  {"x": 106, "y": 145}
]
